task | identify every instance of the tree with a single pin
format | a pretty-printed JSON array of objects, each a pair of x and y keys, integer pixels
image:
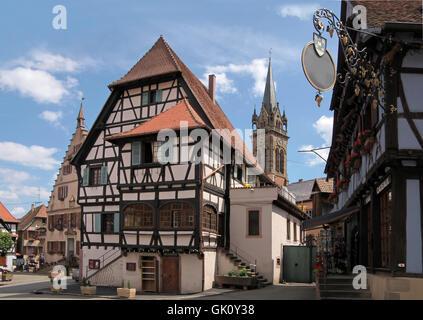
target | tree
[{"x": 6, "y": 243}]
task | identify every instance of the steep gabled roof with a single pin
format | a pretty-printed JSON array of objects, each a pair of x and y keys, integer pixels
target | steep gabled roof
[
  {"x": 38, "y": 212},
  {"x": 161, "y": 60},
  {"x": 169, "y": 119},
  {"x": 302, "y": 190},
  {"x": 324, "y": 186},
  {"x": 157, "y": 61},
  {"x": 6, "y": 216}
]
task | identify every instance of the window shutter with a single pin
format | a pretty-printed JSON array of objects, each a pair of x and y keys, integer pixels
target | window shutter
[
  {"x": 144, "y": 98},
  {"x": 158, "y": 95},
  {"x": 136, "y": 153},
  {"x": 116, "y": 225},
  {"x": 85, "y": 177},
  {"x": 97, "y": 222},
  {"x": 103, "y": 175}
]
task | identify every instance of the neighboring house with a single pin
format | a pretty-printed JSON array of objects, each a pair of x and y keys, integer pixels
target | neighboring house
[
  {"x": 160, "y": 224},
  {"x": 303, "y": 191},
  {"x": 380, "y": 201},
  {"x": 8, "y": 223},
  {"x": 321, "y": 191},
  {"x": 63, "y": 211},
  {"x": 263, "y": 221},
  {"x": 32, "y": 235}
]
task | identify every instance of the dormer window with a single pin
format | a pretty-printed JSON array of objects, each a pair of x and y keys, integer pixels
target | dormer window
[
  {"x": 145, "y": 152},
  {"x": 152, "y": 96}
]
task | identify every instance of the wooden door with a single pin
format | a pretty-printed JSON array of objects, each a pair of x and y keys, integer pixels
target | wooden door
[
  {"x": 3, "y": 261},
  {"x": 170, "y": 274}
]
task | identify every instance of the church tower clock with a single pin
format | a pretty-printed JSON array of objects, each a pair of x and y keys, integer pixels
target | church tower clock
[{"x": 276, "y": 138}]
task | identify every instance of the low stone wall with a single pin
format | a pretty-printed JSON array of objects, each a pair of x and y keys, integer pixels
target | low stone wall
[{"x": 386, "y": 287}]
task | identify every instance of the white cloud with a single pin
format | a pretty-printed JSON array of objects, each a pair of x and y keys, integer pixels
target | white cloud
[
  {"x": 43, "y": 60},
  {"x": 37, "y": 84},
  {"x": 33, "y": 156},
  {"x": 18, "y": 212},
  {"x": 323, "y": 127},
  {"x": 257, "y": 69},
  {"x": 8, "y": 195},
  {"x": 30, "y": 191},
  {"x": 51, "y": 116},
  {"x": 9, "y": 175},
  {"x": 33, "y": 77},
  {"x": 301, "y": 11}
]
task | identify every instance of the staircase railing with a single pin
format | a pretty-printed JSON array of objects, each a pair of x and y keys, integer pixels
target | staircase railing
[
  {"x": 105, "y": 259},
  {"x": 243, "y": 255}
]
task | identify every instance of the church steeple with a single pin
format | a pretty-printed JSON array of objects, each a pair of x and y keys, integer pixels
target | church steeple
[
  {"x": 81, "y": 118},
  {"x": 269, "y": 98},
  {"x": 275, "y": 125}
]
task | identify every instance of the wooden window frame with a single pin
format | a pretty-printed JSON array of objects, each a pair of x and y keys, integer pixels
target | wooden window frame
[
  {"x": 247, "y": 231},
  {"x": 104, "y": 226},
  {"x": 210, "y": 218},
  {"x": 131, "y": 266},
  {"x": 146, "y": 209},
  {"x": 94, "y": 180},
  {"x": 183, "y": 215}
]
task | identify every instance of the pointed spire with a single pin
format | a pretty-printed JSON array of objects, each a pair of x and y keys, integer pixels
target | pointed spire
[
  {"x": 81, "y": 118},
  {"x": 269, "y": 98}
]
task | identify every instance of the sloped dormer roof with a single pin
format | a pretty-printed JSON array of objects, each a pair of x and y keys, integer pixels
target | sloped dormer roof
[{"x": 169, "y": 119}]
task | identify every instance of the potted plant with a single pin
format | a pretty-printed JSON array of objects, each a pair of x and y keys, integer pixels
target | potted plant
[
  {"x": 243, "y": 279},
  {"x": 369, "y": 140},
  {"x": 355, "y": 161},
  {"x": 318, "y": 272},
  {"x": 126, "y": 292},
  {"x": 87, "y": 288},
  {"x": 342, "y": 184}
]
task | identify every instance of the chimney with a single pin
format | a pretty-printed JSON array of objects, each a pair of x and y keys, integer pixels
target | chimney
[
  {"x": 32, "y": 207},
  {"x": 212, "y": 87}
]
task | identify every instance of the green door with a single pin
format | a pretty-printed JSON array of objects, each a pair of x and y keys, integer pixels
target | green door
[{"x": 298, "y": 263}]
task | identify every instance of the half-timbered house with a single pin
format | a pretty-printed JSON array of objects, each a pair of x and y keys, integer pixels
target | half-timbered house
[
  {"x": 8, "y": 223},
  {"x": 376, "y": 153},
  {"x": 159, "y": 224}
]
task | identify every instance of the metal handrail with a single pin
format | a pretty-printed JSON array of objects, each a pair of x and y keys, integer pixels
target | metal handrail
[
  {"x": 103, "y": 260},
  {"x": 243, "y": 255}
]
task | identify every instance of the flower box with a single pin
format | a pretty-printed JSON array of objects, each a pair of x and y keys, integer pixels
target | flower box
[
  {"x": 244, "y": 282},
  {"x": 88, "y": 290},
  {"x": 368, "y": 144},
  {"x": 126, "y": 293}
]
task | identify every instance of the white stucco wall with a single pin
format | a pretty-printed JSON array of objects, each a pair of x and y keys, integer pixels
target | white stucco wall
[{"x": 191, "y": 273}]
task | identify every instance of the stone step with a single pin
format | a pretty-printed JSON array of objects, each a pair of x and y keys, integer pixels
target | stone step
[
  {"x": 336, "y": 286},
  {"x": 329, "y": 294}
]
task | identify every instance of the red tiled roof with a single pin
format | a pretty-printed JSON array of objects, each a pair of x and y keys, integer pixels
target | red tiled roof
[
  {"x": 38, "y": 212},
  {"x": 169, "y": 119},
  {"x": 5, "y": 215},
  {"x": 379, "y": 12},
  {"x": 161, "y": 59},
  {"x": 156, "y": 61}
]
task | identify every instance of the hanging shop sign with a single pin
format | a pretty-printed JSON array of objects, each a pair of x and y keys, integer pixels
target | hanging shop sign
[{"x": 318, "y": 64}]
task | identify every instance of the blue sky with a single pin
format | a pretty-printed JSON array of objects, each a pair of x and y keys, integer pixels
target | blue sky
[{"x": 44, "y": 72}]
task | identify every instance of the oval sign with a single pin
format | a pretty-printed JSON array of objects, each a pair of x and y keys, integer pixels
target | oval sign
[{"x": 320, "y": 71}]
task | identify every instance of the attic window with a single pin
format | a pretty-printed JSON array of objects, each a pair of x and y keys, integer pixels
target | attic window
[{"x": 152, "y": 96}]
